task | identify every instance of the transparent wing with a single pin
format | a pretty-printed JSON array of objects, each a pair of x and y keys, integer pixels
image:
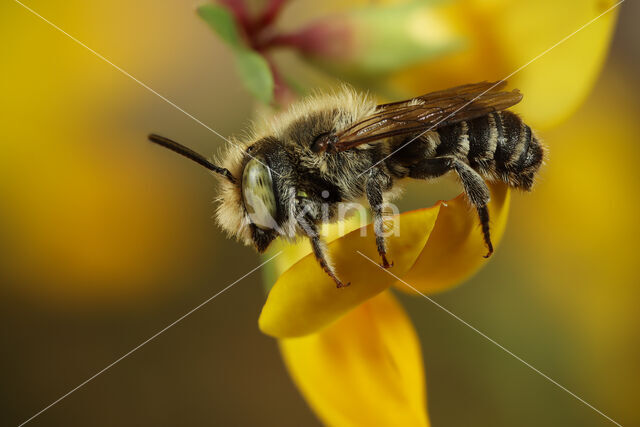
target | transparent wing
[{"x": 428, "y": 112}]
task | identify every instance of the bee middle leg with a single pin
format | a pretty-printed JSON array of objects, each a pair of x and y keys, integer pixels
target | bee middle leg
[
  {"x": 377, "y": 181},
  {"x": 474, "y": 186}
]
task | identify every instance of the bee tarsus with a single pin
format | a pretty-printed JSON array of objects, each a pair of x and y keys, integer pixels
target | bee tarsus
[
  {"x": 385, "y": 263},
  {"x": 483, "y": 213}
]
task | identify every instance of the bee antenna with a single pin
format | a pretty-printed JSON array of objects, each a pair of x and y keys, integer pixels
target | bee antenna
[{"x": 190, "y": 154}]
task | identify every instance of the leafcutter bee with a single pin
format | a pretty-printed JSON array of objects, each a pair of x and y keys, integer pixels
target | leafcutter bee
[{"x": 339, "y": 148}]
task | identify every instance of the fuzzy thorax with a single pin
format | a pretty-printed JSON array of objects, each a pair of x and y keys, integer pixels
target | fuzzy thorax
[{"x": 345, "y": 106}]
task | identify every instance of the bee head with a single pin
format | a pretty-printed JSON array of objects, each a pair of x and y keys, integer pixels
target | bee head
[
  {"x": 248, "y": 206},
  {"x": 257, "y": 178},
  {"x": 255, "y": 209}
]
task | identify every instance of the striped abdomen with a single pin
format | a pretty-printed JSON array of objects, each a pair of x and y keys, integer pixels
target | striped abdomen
[{"x": 499, "y": 145}]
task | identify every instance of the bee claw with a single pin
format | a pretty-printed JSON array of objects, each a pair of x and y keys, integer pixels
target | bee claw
[
  {"x": 342, "y": 285},
  {"x": 385, "y": 263},
  {"x": 490, "y": 251}
]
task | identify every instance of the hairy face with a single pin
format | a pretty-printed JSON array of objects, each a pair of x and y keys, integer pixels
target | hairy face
[{"x": 250, "y": 209}]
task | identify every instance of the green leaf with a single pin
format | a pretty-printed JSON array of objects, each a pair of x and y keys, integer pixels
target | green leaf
[
  {"x": 222, "y": 22},
  {"x": 255, "y": 73}
]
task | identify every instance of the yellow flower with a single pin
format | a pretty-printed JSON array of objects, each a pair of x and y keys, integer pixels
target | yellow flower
[
  {"x": 445, "y": 239},
  {"x": 502, "y": 36},
  {"x": 353, "y": 352},
  {"x": 371, "y": 355}
]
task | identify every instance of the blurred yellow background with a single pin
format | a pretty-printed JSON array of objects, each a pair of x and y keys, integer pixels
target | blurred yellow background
[{"x": 106, "y": 239}]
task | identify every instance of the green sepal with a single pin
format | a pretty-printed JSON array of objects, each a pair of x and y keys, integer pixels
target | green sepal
[
  {"x": 255, "y": 73},
  {"x": 221, "y": 20}
]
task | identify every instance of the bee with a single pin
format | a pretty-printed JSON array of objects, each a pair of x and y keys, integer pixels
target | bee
[{"x": 342, "y": 147}]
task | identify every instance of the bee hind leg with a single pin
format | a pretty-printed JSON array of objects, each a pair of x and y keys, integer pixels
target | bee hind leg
[
  {"x": 483, "y": 213},
  {"x": 474, "y": 186}
]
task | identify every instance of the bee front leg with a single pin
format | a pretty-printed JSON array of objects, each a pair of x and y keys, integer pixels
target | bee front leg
[
  {"x": 320, "y": 250},
  {"x": 377, "y": 181},
  {"x": 474, "y": 186}
]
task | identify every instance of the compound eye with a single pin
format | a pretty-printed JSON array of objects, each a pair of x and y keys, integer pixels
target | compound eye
[{"x": 257, "y": 194}]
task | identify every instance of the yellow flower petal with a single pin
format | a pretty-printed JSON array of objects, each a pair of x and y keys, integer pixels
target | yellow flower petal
[
  {"x": 364, "y": 370},
  {"x": 557, "y": 83},
  {"x": 505, "y": 35},
  {"x": 305, "y": 299},
  {"x": 455, "y": 249},
  {"x": 294, "y": 252}
]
